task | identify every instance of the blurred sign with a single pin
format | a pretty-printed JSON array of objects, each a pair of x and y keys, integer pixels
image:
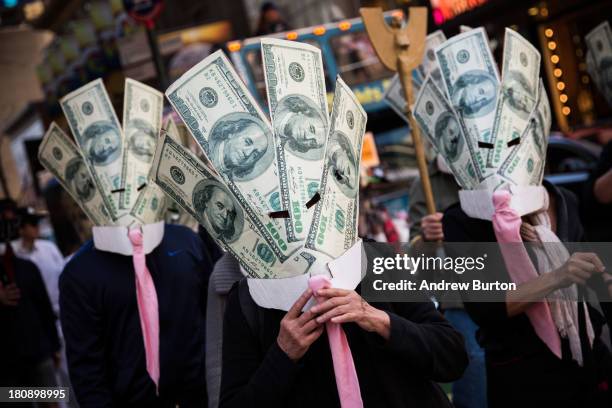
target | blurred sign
[
  {"x": 443, "y": 10},
  {"x": 369, "y": 154}
]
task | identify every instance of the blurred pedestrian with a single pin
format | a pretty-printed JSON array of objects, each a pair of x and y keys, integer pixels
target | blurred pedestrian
[
  {"x": 101, "y": 324},
  {"x": 29, "y": 343},
  {"x": 271, "y": 20},
  {"x": 225, "y": 273},
  {"x": 470, "y": 391},
  {"x": 42, "y": 252}
]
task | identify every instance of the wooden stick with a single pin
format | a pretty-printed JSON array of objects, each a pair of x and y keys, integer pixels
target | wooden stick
[{"x": 406, "y": 80}]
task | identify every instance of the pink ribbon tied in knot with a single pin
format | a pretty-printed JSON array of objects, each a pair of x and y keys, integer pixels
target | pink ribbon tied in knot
[
  {"x": 507, "y": 227},
  {"x": 344, "y": 367},
  {"x": 148, "y": 311}
]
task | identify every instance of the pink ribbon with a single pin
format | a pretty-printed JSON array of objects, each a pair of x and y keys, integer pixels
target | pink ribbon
[
  {"x": 344, "y": 367},
  {"x": 507, "y": 224},
  {"x": 148, "y": 311}
]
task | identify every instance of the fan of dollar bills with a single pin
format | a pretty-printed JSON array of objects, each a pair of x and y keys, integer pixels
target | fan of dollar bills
[
  {"x": 599, "y": 59},
  {"x": 280, "y": 196},
  {"x": 490, "y": 131},
  {"x": 106, "y": 171}
]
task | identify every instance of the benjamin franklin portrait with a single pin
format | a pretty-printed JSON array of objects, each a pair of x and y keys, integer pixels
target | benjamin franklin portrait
[
  {"x": 102, "y": 143},
  {"x": 241, "y": 146},
  {"x": 141, "y": 140},
  {"x": 301, "y": 126},
  {"x": 78, "y": 178},
  {"x": 219, "y": 214},
  {"x": 448, "y": 132},
  {"x": 519, "y": 95},
  {"x": 475, "y": 93},
  {"x": 343, "y": 165}
]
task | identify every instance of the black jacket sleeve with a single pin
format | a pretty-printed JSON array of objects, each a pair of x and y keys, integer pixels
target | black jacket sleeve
[
  {"x": 422, "y": 337},
  {"x": 251, "y": 377},
  {"x": 458, "y": 227},
  {"x": 82, "y": 325}
]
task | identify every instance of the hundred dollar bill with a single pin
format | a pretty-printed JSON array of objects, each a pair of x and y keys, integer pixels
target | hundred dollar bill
[
  {"x": 142, "y": 116},
  {"x": 58, "y": 154},
  {"x": 394, "y": 96},
  {"x": 234, "y": 133},
  {"x": 599, "y": 43},
  {"x": 471, "y": 81},
  {"x": 430, "y": 64},
  {"x": 518, "y": 94},
  {"x": 95, "y": 127},
  {"x": 150, "y": 205},
  {"x": 525, "y": 163},
  {"x": 464, "y": 29},
  {"x": 233, "y": 225},
  {"x": 334, "y": 224},
  {"x": 297, "y": 98},
  {"x": 443, "y": 129}
]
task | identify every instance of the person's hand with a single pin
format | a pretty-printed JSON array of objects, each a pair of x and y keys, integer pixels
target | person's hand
[
  {"x": 578, "y": 269},
  {"x": 9, "y": 294},
  {"x": 431, "y": 224},
  {"x": 528, "y": 232},
  {"x": 298, "y": 330},
  {"x": 344, "y": 306}
]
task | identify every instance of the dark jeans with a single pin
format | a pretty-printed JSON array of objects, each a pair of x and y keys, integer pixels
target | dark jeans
[{"x": 470, "y": 391}]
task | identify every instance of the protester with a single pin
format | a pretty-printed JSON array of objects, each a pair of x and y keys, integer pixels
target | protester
[
  {"x": 271, "y": 20},
  {"x": 29, "y": 344},
  {"x": 521, "y": 369},
  {"x": 471, "y": 389},
  {"x": 272, "y": 358},
  {"x": 104, "y": 341},
  {"x": 596, "y": 203}
]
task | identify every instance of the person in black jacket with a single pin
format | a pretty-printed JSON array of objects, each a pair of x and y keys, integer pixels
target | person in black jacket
[
  {"x": 277, "y": 359},
  {"x": 104, "y": 342},
  {"x": 521, "y": 370},
  {"x": 29, "y": 343}
]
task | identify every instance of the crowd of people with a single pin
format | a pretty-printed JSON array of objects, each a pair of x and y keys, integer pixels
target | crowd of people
[{"x": 219, "y": 348}]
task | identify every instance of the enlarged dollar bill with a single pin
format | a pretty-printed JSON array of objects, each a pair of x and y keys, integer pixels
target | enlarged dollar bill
[
  {"x": 518, "y": 94},
  {"x": 599, "y": 43},
  {"x": 297, "y": 98},
  {"x": 525, "y": 163},
  {"x": 236, "y": 227},
  {"x": 150, "y": 205},
  {"x": 429, "y": 66},
  {"x": 58, "y": 154},
  {"x": 394, "y": 96},
  {"x": 95, "y": 127},
  {"x": 471, "y": 81},
  {"x": 334, "y": 224},
  {"x": 142, "y": 117},
  {"x": 234, "y": 133},
  {"x": 443, "y": 129}
]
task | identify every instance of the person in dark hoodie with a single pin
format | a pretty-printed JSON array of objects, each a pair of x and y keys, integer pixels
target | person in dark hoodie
[
  {"x": 273, "y": 358},
  {"x": 104, "y": 341}
]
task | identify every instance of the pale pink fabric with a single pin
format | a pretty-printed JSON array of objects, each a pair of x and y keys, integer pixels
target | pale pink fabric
[
  {"x": 148, "y": 311},
  {"x": 344, "y": 367},
  {"x": 507, "y": 224}
]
